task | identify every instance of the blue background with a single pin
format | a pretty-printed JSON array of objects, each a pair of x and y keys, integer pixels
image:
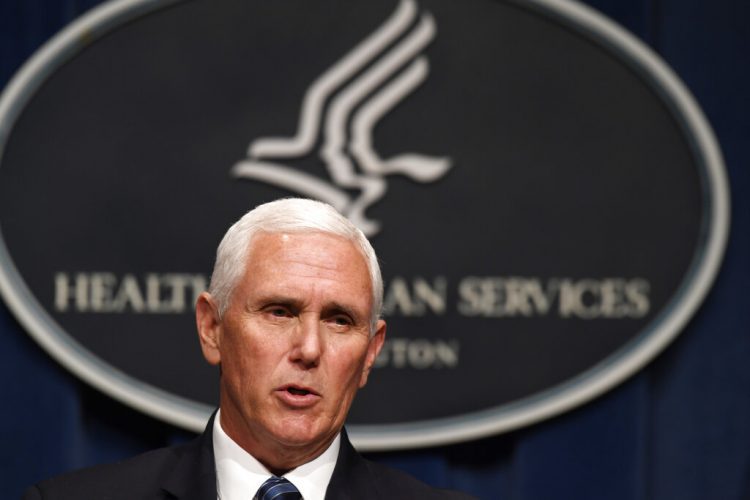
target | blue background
[{"x": 680, "y": 429}]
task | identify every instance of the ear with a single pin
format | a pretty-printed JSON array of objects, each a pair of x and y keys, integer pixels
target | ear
[
  {"x": 209, "y": 327},
  {"x": 373, "y": 349}
]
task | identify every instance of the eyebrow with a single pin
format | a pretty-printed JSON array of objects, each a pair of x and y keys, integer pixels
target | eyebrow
[
  {"x": 295, "y": 304},
  {"x": 275, "y": 299},
  {"x": 335, "y": 307}
]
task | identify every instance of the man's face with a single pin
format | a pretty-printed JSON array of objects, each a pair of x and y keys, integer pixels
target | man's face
[{"x": 294, "y": 344}]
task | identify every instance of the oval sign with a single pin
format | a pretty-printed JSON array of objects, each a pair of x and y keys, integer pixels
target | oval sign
[{"x": 548, "y": 202}]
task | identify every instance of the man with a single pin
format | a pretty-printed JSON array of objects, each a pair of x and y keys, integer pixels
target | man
[{"x": 292, "y": 320}]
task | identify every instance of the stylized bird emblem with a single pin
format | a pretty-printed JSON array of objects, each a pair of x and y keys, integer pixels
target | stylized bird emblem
[{"x": 345, "y": 124}]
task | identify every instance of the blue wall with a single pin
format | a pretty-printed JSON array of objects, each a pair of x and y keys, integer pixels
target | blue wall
[{"x": 679, "y": 429}]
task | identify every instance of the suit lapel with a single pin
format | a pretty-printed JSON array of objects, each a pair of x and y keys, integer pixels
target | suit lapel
[
  {"x": 194, "y": 475},
  {"x": 351, "y": 477}
]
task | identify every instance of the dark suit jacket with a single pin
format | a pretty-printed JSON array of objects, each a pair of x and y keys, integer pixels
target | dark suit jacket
[{"x": 187, "y": 472}]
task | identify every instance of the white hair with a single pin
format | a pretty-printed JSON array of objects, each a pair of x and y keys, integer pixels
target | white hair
[{"x": 289, "y": 215}]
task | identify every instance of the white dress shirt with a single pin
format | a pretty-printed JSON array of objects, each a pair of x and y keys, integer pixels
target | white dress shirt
[{"x": 239, "y": 474}]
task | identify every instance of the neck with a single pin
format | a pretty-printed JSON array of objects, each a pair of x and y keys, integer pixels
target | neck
[{"x": 276, "y": 456}]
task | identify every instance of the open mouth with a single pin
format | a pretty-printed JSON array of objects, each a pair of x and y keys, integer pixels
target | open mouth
[
  {"x": 299, "y": 397},
  {"x": 298, "y": 392}
]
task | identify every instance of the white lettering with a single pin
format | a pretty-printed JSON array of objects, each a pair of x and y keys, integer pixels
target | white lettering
[
  {"x": 496, "y": 297},
  {"x": 100, "y": 296},
  {"x": 478, "y": 296},
  {"x": 417, "y": 299},
  {"x": 606, "y": 298},
  {"x": 636, "y": 293},
  {"x": 129, "y": 295},
  {"x": 65, "y": 291},
  {"x": 419, "y": 354},
  {"x": 100, "y": 292}
]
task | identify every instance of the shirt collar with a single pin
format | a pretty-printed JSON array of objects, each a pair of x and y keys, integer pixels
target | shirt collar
[{"x": 239, "y": 474}]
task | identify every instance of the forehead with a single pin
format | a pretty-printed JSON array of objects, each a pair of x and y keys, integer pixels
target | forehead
[{"x": 275, "y": 259}]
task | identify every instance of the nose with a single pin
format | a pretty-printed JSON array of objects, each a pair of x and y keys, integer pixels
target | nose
[{"x": 308, "y": 345}]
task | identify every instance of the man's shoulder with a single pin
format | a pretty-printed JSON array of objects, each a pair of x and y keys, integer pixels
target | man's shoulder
[
  {"x": 389, "y": 481},
  {"x": 358, "y": 477},
  {"x": 136, "y": 477}
]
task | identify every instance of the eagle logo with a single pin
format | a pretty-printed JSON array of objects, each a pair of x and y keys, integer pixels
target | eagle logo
[{"x": 339, "y": 111}]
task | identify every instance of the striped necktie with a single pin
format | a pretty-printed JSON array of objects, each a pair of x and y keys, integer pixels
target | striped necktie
[{"x": 277, "y": 488}]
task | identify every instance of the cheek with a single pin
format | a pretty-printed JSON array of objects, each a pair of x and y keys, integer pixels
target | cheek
[
  {"x": 243, "y": 355},
  {"x": 348, "y": 364}
]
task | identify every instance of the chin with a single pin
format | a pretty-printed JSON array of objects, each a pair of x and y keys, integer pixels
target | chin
[{"x": 301, "y": 432}]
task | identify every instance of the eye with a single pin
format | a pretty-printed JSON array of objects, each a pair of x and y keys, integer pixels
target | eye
[
  {"x": 342, "y": 321},
  {"x": 277, "y": 311}
]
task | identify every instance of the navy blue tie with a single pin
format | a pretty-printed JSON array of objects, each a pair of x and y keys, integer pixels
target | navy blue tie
[{"x": 277, "y": 488}]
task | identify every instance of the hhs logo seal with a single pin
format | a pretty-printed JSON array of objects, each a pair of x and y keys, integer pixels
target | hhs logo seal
[
  {"x": 339, "y": 111},
  {"x": 544, "y": 233}
]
